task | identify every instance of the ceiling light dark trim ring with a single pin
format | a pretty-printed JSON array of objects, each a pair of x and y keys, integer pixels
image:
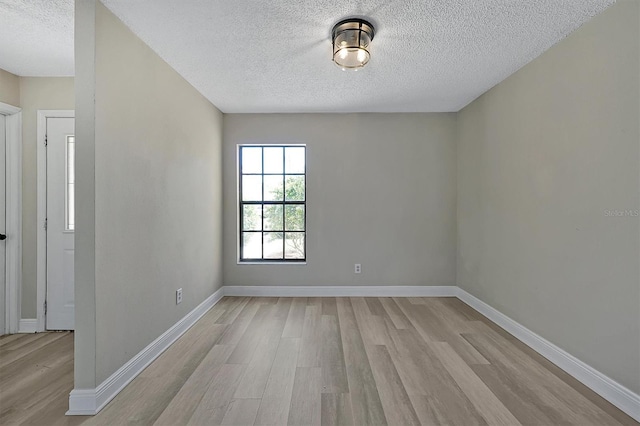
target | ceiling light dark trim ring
[{"x": 353, "y": 24}]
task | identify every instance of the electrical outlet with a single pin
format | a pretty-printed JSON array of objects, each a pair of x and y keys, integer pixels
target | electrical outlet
[
  {"x": 178, "y": 296},
  {"x": 357, "y": 268}
]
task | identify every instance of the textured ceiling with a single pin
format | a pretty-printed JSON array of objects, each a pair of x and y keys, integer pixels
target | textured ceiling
[
  {"x": 36, "y": 37},
  {"x": 275, "y": 56}
]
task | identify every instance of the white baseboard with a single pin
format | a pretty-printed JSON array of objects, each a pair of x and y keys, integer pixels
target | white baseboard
[
  {"x": 342, "y": 291},
  {"x": 28, "y": 325},
  {"x": 84, "y": 402},
  {"x": 623, "y": 398},
  {"x": 91, "y": 401}
]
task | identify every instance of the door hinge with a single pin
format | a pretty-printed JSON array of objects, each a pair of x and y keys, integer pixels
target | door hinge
[
  {"x": 46, "y": 140},
  {"x": 45, "y": 224},
  {"x": 45, "y": 307}
]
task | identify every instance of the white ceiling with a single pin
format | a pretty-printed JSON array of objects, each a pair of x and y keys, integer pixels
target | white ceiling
[
  {"x": 275, "y": 56},
  {"x": 36, "y": 37}
]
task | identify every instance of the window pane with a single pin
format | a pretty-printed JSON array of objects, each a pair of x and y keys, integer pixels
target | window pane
[
  {"x": 273, "y": 160},
  {"x": 252, "y": 217},
  {"x": 294, "y": 188},
  {"x": 71, "y": 154},
  {"x": 273, "y": 217},
  {"x": 252, "y": 245},
  {"x": 273, "y": 188},
  {"x": 70, "y": 184},
  {"x": 294, "y": 245},
  {"x": 251, "y": 188},
  {"x": 71, "y": 207},
  {"x": 294, "y": 218},
  {"x": 273, "y": 245},
  {"x": 251, "y": 159},
  {"x": 294, "y": 161}
]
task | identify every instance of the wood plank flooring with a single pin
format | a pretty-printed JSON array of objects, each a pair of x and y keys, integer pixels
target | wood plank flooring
[
  {"x": 312, "y": 361},
  {"x": 36, "y": 376}
]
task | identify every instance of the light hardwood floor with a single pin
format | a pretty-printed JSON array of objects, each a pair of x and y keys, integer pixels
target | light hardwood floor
[{"x": 304, "y": 361}]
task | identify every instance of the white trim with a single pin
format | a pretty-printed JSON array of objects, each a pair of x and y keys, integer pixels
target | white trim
[
  {"x": 84, "y": 402},
  {"x": 342, "y": 291},
  {"x": 41, "y": 287},
  {"x": 266, "y": 263},
  {"x": 91, "y": 401},
  {"x": 7, "y": 109},
  {"x": 13, "y": 219},
  {"x": 623, "y": 398},
  {"x": 28, "y": 325}
]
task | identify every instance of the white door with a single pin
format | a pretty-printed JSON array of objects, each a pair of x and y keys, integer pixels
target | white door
[
  {"x": 60, "y": 223},
  {"x": 3, "y": 301}
]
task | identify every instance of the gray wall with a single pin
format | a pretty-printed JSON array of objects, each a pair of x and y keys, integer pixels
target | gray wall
[
  {"x": 152, "y": 219},
  {"x": 35, "y": 93},
  {"x": 380, "y": 192},
  {"x": 85, "y": 248},
  {"x": 544, "y": 159},
  {"x": 9, "y": 88}
]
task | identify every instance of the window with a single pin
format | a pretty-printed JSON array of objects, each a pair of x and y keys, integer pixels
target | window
[
  {"x": 69, "y": 217},
  {"x": 272, "y": 203}
]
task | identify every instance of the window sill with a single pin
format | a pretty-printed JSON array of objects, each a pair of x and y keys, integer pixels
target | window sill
[{"x": 269, "y": 263}]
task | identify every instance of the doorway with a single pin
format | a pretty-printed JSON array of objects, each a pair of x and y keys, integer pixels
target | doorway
[
  {"x": 10, "y": 217},
  {"x": 56, "y": 207}
]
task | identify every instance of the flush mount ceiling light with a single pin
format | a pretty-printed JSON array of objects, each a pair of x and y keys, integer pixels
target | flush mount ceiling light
[{"x": 351, "y": 38}]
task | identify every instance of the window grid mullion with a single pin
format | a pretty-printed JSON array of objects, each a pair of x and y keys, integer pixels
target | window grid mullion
[{"x": 268, "y": 203}]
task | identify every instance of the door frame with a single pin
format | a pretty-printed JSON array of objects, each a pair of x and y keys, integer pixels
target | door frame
[
  {"x": 41, "y": 291},
  {"x": 13, "y": 219}
]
